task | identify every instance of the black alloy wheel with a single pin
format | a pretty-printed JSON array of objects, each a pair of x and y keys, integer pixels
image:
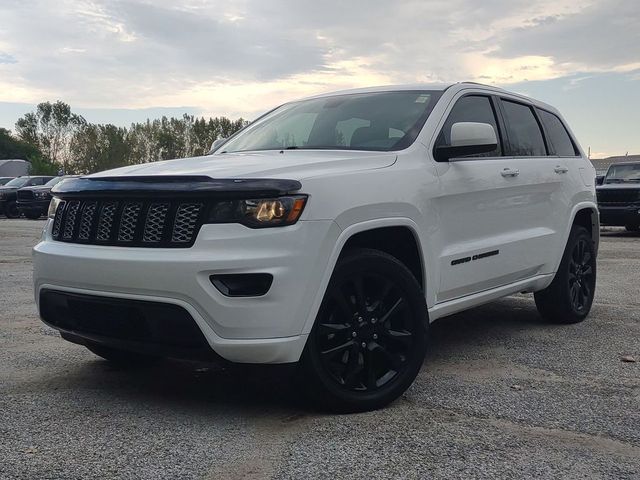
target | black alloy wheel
[
  {"x": 569, "y": 297},
  {"x": 369, "y": 340},
  {"x": 581, "y": 275}
]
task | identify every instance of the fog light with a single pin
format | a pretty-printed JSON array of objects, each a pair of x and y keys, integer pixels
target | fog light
[{"x": 242, "y": 284}]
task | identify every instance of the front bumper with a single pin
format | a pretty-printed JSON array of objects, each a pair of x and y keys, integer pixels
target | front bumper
[
  {"x": 33, "y": 206},
  {"x": 265, "y": 329},
  {"x": 619, "y": 215}
]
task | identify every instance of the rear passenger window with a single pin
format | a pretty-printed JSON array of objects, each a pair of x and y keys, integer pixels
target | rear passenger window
[
  {"x": 557, "y": 135},
  {"x": 523, "y": 132},
  {"x": 472, "y": 108}
]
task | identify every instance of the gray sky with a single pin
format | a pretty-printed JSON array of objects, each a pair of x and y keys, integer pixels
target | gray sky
[{"x": 123, "y": 61}]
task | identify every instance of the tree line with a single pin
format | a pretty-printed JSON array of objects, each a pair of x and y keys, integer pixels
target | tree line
[{"x": 54, "y": 139}]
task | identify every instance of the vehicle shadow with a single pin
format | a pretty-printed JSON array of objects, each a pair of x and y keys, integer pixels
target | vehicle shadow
[{"x": 174, "y": 384}]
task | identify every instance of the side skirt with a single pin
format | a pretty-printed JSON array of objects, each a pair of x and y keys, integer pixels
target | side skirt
[{"x": 456, "y": 305}]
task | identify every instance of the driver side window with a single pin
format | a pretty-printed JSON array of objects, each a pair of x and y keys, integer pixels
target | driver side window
[{"x": 472, "y": 108}]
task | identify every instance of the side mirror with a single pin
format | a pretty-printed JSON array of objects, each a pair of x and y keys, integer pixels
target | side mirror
[
  {"x": 216, "y": 143},
  {"x": 599, "y": 179},
  {"x": 468, "y": 138}
]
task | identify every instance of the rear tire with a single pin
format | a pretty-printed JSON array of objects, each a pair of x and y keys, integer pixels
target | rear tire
[
  {"x": 632, "y": 228},
  {"x": 370, "y": 336},
  {"x": 569, "y": 297},
  {"x": 11, "y": 210},
  {"x": 122, "y": 358},
  {"x": 32, "y": 215}
]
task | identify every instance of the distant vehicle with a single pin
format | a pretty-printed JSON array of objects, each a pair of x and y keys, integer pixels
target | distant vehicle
[
  {"x": 619, "y": 196},
  {"x": 33, "y": 201},
  {"x": 8, "y": 196},
  {"x": 5, "y": 180}
]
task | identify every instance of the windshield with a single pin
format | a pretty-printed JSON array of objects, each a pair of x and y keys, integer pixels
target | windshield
[
  {"x": 380, "y": 121},
  {"x": 53, "y": 181},
  {"x": 623, "y": 173},
  {"x": 17, "y": 182}
]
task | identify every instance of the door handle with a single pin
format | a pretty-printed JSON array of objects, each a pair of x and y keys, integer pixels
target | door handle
[
  {"x": 560, "y": 169},
  {"x": 508, "y": 172}
]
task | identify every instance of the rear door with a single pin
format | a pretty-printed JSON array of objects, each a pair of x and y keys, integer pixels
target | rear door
[{"x": 494, "y": 209}]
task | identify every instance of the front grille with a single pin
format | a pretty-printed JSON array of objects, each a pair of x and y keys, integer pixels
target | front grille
[
  {"x": 129, "y": 222},
  {"x": 619, "y": 196},
  {"x": 24, "y": 195}
]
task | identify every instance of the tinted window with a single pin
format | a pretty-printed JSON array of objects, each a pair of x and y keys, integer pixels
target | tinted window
[
  {"x": 365, "y": 121},
  {"x": 18, "y": 182},
  {"x": 470, "y": 109},
  {"x": 557, "y": 135},
  {"x": 523, "y": 132}
]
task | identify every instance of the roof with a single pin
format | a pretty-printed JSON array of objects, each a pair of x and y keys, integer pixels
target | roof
[{"x": 433, "y": 86}]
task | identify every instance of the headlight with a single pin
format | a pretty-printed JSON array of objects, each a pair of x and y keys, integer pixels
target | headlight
[
  {"x": 53, "y": 206},
  {"x": 41, "y": 195},
  {"x": 258, "y": 213}
]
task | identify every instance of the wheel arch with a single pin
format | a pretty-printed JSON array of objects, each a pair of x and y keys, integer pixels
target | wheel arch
[
  {"x": 587, "y": 216},
  {"x": 376, "y": 231}
]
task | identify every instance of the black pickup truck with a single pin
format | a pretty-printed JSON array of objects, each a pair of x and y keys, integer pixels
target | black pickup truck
[
  {"x": 8, "y": 196},
  {"x": 619, "y": 196}
]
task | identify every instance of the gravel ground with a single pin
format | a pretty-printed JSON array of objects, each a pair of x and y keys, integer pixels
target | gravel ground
[{"x": 501, "y": 395}]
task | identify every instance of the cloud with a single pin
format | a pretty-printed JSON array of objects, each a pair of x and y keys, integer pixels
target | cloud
[
  {"x": 244, "y": 56},
  {"x": 6, "y": 58},
  {"x": 603, "y": 36}
]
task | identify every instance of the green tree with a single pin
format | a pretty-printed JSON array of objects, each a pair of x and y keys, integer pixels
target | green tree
[
  {"x": 50, "y": 128},
  {"x": 11, "y": 147}
]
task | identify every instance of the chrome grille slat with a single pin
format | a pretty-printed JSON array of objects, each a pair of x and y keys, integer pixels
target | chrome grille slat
[
  {"x": 155, "y": 222},
  {"x": 185, "y": 222},
  {"x": 128, "y": 221},
  {"x": 86, "y": 221},
  {"x": 57, "y": 220},
  {"x": 70, "y": 219},
  {"x": 106, "y": 221},
  {"x": 170, "y": 223}
]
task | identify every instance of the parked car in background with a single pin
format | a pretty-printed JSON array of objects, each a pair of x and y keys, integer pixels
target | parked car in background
[
  {"x": 33, "y": 201},
  {"x": 619, "y": 196},
  {"x": 8, "y": 193},
  {"x": 329, "y": 232},
  {"x": 5, "y": 180}
]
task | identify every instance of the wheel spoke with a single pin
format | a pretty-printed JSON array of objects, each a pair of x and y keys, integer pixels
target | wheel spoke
[
  {"x": 332, "y": 352},
  {"x": 353, "y": 366},
  {"x": 400, "y": 304},
  {"x": 401, "y": 336}
]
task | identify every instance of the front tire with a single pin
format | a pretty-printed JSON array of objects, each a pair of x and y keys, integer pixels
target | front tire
[
  {"x": 569, "y": 297},
  {"x": 370, "y": 336},
  {"x": 632, "y": 227},
  {"x": 11, "y": 210}
]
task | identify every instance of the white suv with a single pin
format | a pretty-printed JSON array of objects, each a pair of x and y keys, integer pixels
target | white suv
[{"x": 328, "y": 232}]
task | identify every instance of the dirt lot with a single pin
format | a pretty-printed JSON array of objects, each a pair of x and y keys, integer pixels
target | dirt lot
[{"x": 501, "y": 395}]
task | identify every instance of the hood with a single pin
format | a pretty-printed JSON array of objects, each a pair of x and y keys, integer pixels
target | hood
[
  {"x": 290, "y": 164},
  {"x": 36, "y": 187}
]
